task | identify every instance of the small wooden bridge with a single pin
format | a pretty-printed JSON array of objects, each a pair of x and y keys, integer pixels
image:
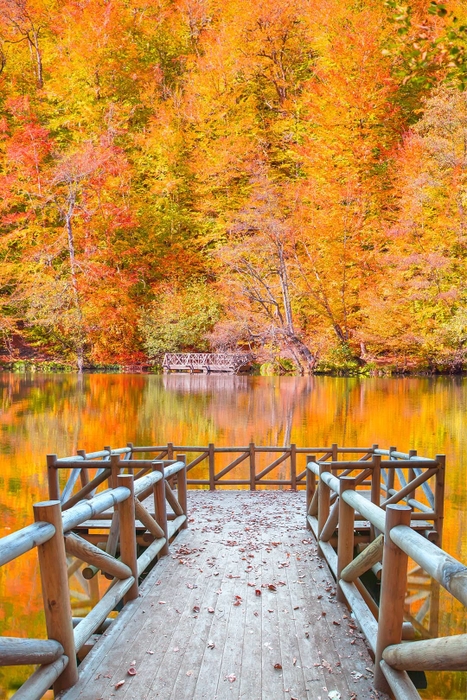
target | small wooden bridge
[
  {"x": 242, "y": 593},
  {"x": 205, "y": 362}
]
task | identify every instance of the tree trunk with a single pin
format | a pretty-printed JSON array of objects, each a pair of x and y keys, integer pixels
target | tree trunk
[{"x": 79, "y": 345}]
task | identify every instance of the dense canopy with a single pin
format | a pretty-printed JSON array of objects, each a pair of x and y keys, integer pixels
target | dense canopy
[{"x": 289, "y": 177}]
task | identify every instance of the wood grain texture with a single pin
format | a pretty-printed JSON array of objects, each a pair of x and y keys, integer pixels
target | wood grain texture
[{"x": 200, "y": 630}]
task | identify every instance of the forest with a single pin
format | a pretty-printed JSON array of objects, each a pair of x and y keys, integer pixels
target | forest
[{"x": 283, "y": 177}]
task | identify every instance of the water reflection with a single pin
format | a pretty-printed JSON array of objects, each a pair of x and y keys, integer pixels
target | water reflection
[{"x": 61, "y": 413}]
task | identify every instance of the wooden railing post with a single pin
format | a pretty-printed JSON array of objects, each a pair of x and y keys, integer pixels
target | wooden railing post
[
  {"x": 84, "y": 474},
  {"x": 170, "y": 450},
  {"x": 439, "y": 498},
  {"x": 128, "y": 554},
  {"x": 310, "y": 487},
  {"x": 52, "y": 478},
  {"x": 129, "y": 456},
  {"x": 334, "y": 457},
  {"x": 345, "y": 540},
  {"x": 324, "y": 500},
  {"x": 375, "y": 488},
  {"x": 391, "y": 471},
  {"x": 116, "y": 469},
  {"x": 160, "y": 506},
  {"x": 410, "y": 477},
  {"x": 376, "y": 480},
  {"x": 182, "y": 490},
  {"x": 293, "y": 466},
  {"x": 252, "y": 467},
  {"x": 55, "y": 594},
  {"x": 393, "y": 589},
  {"x": 212, "y": 481}
]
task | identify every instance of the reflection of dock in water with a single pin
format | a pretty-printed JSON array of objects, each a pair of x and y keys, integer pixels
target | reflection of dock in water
[
  {"x": 203, "y": 383},
  {"x": 248, "y": 598}
]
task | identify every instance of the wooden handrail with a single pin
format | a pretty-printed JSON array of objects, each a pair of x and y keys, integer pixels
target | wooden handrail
[
  {"x": 294, "y": 476},
  {"x": 52, "y": 535},
  {"x": 400, "y": 542},
  {"x": 443, "y": 654},
  {"x": 15, "y": 652},
  {"x": 17, "y": 543}
]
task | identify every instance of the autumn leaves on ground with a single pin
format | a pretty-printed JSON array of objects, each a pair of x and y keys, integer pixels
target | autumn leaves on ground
[{"x": 288, "y": 177}]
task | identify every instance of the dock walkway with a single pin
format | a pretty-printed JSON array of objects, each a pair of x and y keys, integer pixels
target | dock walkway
[{"x": 242, "y": 607}]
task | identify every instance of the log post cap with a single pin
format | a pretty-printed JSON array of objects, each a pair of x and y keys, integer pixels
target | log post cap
[
  {"x": 397, "y": 514},
  {"x": 46, "y": 504},
  {"x": 398, "y": 507},
  {"x": 124, "y": 479}
]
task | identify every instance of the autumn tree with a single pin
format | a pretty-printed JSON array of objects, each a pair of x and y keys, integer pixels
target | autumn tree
[{"x": 421, "y": 294}]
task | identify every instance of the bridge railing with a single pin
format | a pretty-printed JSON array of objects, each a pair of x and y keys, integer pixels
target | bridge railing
[
  {"x": 394, "y": 540},
  {"x": 197, "y": 361},
  {"x": 61, "y": 533}
]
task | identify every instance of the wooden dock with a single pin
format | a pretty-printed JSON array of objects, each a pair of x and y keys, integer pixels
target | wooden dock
[
  {"x": 253, "y": 593},
  {"x": 243, "y": 607}
]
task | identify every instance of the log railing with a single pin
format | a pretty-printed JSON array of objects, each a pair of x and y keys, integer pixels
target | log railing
[
  {"x": 55, "y": 535},
  {"x": 393, "y": 508},
  {"x": 399, "y": 476}
]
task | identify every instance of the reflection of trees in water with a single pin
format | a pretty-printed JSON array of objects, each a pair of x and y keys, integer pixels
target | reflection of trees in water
[
  {"x": 44, "y": 413},
  {"x": 263, "y": 412}
]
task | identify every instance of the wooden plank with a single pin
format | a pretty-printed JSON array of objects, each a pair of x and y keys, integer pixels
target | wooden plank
[{"x": 235, "y": 539}]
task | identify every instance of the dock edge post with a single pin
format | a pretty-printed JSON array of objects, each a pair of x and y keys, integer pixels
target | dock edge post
[
  {"x": 393, "y": 588},
  {"x": 55, "y": 593},
  {"x": 128, "y": 553}
]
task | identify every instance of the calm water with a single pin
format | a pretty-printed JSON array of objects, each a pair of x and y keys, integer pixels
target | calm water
[{"x": 61, "y": 413}]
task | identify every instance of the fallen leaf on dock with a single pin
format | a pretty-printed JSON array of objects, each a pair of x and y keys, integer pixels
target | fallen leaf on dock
[
  {"x": 356, "y": 675},
  {"x": 231, "y": 678},
  {"x": 132, "y": 671},
  {"x": 278, "y": 666},
  {"x": 258, "y": 591},
  {"x": 189, "y": 673},
  {"x": 210, "y": 610},
  {"x": 119, "y": 684},
  {"x": 211, "y": 645},
  {"x": 196, "y": 608}
]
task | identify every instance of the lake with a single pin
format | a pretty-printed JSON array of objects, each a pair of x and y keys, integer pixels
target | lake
[{"x": 63, "y": 413}]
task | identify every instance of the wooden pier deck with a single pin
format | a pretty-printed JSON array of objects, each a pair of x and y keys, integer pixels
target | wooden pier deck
[{"x": 242, "y": 607}]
